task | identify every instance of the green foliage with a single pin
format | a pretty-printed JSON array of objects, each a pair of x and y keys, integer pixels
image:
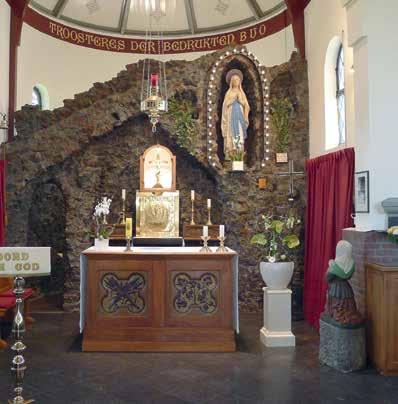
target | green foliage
[
  {"x": 237, "y": 155},
  {"x": 281, "y": 122},
  {"x": 101, "y": 231},
  {"x": 259, "y": 239},
  {"x": 182, "y": 112},
  {"x": 277, "y": 226},
  {"x": 278, "y": 237},
  {"x": 292, "y": 241}
]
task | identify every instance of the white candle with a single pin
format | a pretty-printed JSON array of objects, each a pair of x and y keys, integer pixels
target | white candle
[
  {"x": 205, "y": 231},
  {"x": 209, "y": 203},
  {"x": 222, "y": 230},
  {"x": 124, "y": 194},
  {"x": 192, "y": 195}
]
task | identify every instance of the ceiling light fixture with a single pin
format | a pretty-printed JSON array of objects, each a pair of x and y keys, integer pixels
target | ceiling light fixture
[
  {"x": 154, "y": 97},
  {"x": 92, "y": 6}
]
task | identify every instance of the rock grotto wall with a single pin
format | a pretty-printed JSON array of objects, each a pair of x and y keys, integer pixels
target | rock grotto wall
[{"x": 63, "y": 161}]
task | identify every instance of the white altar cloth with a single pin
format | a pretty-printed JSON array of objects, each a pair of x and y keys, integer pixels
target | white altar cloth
[{"x": 158, "y": 251}]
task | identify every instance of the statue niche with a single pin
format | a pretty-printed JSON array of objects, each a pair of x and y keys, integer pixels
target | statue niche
[{"x": 240, "y": 110}]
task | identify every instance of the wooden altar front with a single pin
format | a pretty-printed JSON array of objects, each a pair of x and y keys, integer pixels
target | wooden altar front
[{"x": 158, "y": 299}]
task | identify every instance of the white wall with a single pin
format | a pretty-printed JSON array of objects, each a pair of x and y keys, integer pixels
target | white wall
[
  {"x": 373, "y": 34},
  {"x": 4, "y": 58},
  {"x": 369, "y": 33},
  {"x": 67, "y": 69},
  {"x": 325, "y": 20}
]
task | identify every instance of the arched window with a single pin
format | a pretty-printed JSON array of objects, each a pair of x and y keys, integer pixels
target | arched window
[
  {"x": 40, "y": 97},
  {"x": 340, "y": 94},
  {"x": 335, "y": 125},
  {"x": 36, "y": 98}
]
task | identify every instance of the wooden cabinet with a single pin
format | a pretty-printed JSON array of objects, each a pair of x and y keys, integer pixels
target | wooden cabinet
[
  {"x": 158, "y": 301},
  {"x": 382, "y": 317}
]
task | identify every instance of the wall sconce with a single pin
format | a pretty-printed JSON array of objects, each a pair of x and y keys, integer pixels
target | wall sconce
[
  {"x": 352, "y": 69},
  {"x": 3, "y": 121}
]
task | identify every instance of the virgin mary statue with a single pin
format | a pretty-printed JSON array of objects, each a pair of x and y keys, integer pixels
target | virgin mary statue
[{"x": 235, "y": 115}]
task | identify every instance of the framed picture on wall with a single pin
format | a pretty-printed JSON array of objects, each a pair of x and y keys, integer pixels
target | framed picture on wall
[{"x": 362, "y": 192}]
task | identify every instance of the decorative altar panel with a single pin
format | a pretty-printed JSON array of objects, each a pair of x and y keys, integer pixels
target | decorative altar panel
[
  {"x": 124, "y": 292},
  {"x": 198, "y": 293}
]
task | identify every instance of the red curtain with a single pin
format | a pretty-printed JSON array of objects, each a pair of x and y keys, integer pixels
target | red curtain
[
  {"x": 330, "y": 181},
  {"x": 2, "y": 202}
]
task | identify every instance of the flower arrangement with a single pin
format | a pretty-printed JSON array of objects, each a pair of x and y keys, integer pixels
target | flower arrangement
[
  {"x": 101, "y": 211},
  {"x": 278, "y": 237},
  {"x": 393, "y": 233}
]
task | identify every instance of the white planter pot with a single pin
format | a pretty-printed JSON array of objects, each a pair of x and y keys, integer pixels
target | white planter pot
[
  {"x": 277, "y": 275},
  {"x": 101, "y": 243},
  {"x": 238, "y": 166}
]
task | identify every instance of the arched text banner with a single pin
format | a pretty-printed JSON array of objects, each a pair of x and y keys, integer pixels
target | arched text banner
[{"x": 170, "y": 46}]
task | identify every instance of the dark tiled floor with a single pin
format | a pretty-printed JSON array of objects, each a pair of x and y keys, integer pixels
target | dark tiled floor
[{"x": 58, "y": 372}]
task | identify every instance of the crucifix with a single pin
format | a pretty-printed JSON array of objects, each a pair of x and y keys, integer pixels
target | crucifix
[{"x": 291, "y": 173}]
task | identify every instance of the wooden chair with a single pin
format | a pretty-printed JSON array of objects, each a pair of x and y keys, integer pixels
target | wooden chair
[{"x": 7, "y": 305}]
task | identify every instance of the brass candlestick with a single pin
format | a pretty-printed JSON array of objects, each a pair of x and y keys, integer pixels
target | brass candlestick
[
  {"x": 123, "y": 213},
  {"x": 192, "y": 212},
  {"x": 222, "y": 248},
  {"x": 205, "y": 249},
  {"x": 209, "y": 223},
  {"x": 128, "y": 245},
  {"x": 18, "y": 330}
]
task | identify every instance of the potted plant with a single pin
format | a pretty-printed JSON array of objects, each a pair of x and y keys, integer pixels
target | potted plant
[
  {"x": 102, "y": 230},
  {"x": 237, "y": 158},
  {"x": 393, "y": 233},
  {"x": 279, "y": 239},
  {"x": 281, "y": 125}
]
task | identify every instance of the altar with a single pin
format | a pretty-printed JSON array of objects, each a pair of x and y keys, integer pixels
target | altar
[{"x": 159, "y": 299}]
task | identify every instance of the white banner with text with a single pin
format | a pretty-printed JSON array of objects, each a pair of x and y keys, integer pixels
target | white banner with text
[{"x": 25, "y": 261}]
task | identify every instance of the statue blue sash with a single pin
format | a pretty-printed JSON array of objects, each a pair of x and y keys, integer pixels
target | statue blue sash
[{"x": 237, "y": 121}]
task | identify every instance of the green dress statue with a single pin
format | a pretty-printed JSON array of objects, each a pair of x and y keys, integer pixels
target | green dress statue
[{"x": 341, "y": 308}]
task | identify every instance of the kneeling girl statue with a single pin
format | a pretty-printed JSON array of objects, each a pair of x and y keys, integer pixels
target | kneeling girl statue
[{"x": 341, "y": 308}]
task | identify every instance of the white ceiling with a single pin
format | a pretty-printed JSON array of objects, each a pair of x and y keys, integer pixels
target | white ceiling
[{"x": 189, "y": 17}]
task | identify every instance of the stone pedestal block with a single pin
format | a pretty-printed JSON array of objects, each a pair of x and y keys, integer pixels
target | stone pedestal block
[
  {"x": 343, "y": 349},
  {"x": 277, "y": 319}
]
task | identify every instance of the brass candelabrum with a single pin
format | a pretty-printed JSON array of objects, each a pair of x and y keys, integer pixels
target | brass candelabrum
[
  {"x": 205, "y": 249},
  {"x": 192, "y": 212},
  {"x": 209, "y": 223},
  {"x": 222, "y": 248},
  {"x": 18, "y": 364}
]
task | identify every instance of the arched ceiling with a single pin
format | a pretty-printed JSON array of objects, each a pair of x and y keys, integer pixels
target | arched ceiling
[{"x": 190, "y": 17}]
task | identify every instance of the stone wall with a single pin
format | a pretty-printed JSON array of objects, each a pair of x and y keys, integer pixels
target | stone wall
[
  {"x": 63, "y": 161},
  {"x": 369, "y": 248}
]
